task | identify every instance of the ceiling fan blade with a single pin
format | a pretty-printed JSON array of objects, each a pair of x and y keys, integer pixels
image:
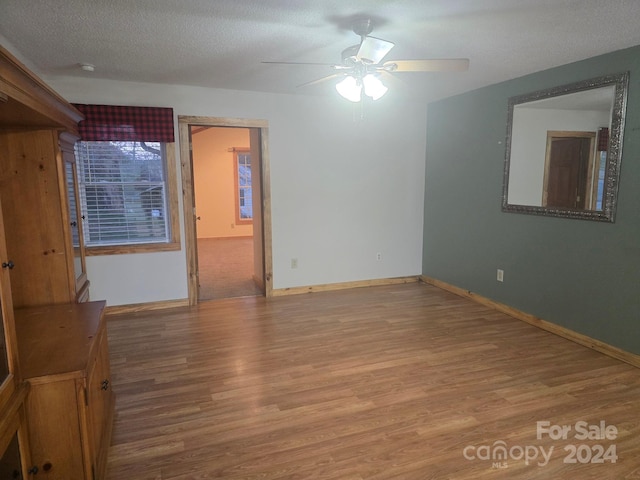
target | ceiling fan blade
[
  {"x": 390, "y": 80},
  {"x": 434, "y": 65},
  {"x": 321, "y": 80},
  {"x": 300, "y": 63},
  {"x": 374, "y": 49}
]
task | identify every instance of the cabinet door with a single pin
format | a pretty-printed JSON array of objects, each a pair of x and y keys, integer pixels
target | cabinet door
[
  {"x": 34, "y": 218},
  {"x": 75, "y": 217},
  {"x": 100, "y": 406},
  {"x": 11, "y": 461},
  {"x": 15, "y": 459},
  {"x": 8, "y": 357},
  {"x": 54, "y": 428}
]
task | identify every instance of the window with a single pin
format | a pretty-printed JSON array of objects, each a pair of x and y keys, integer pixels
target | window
[
  {"x": 126, "y": 179},
  {"x": 122, "y": 186},
  {"x": 244, "y": 199}
]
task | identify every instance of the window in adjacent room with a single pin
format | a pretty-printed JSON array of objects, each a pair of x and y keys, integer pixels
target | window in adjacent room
[
  {"x": 244, "y": 199},
  {"x": 126, "y": 180}
]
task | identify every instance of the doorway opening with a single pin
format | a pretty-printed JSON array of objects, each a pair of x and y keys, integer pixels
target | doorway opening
[{"x": 226, "y": 201}]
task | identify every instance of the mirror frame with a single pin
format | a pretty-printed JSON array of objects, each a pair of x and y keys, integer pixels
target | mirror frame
[{"x": 614, "y": 153}]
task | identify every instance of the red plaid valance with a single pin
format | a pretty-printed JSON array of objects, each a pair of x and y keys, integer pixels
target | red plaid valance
[
  {"x": 112, "y": 122},
  {"x": 603, "y": 139}
]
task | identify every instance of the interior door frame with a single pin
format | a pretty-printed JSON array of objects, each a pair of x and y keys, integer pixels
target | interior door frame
[{"x": 186, "y": 163}]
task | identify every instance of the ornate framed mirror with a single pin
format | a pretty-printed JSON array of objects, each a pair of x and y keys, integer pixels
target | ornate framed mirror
[{"x": 563, "y": 149}]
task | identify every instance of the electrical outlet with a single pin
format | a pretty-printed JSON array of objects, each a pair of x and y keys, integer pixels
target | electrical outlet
[
  {"x": 378, "y": 256},
  {"x": 500, "y": 275},
  {"x": 294, "y": 263}
]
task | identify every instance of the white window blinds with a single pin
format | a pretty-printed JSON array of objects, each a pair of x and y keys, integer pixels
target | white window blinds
[{"x": 123, "y": 192}]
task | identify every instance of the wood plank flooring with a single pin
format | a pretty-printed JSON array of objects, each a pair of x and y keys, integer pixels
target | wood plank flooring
[{"x": 395, "y": 382}]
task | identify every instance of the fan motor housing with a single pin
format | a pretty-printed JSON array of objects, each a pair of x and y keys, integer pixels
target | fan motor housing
[
  {"x": 350, "y": 54},
  {"x": 362, "y": 26}
]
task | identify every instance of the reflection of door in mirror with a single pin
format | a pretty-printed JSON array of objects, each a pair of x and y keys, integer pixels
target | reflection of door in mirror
[{"x": 570, "y": 170}]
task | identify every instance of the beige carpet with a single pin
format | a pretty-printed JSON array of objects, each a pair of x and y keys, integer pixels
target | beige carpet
[{"x": 226, "y": 268}]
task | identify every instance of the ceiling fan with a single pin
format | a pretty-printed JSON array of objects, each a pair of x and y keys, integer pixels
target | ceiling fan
[{"x": 362, "y": 65}]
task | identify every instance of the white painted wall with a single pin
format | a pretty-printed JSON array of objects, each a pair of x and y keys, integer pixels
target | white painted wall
[
  {"x": 529, "y": 144},
  {"x": 342, "y": 190}
]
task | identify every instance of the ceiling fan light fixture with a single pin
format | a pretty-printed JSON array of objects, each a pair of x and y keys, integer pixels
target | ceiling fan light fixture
[
  {"x": 349, "y": 88},
  {"x": 362, "y": 65},
  {"x": 373, "y": 86}
]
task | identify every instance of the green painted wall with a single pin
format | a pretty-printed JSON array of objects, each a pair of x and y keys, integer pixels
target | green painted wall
[{"x": 579, "y": 274}]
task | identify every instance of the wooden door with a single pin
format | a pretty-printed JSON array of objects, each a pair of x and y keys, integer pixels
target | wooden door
[{"x": 566, "y": 184}]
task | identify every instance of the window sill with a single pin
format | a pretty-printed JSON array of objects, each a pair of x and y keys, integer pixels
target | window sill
[{"x": 125, "y": 249}]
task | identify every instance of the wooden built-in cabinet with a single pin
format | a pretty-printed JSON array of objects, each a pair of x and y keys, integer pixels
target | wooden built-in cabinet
[
  {"x": 70, "y": 406},
  {"x": 56, "y": 402}
]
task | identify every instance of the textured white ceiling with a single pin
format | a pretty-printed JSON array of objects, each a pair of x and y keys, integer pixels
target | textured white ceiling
[{"x": 221, "y": 43}]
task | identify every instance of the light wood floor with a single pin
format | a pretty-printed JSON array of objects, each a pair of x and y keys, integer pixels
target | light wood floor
[{"x": 393, "y": 382}]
